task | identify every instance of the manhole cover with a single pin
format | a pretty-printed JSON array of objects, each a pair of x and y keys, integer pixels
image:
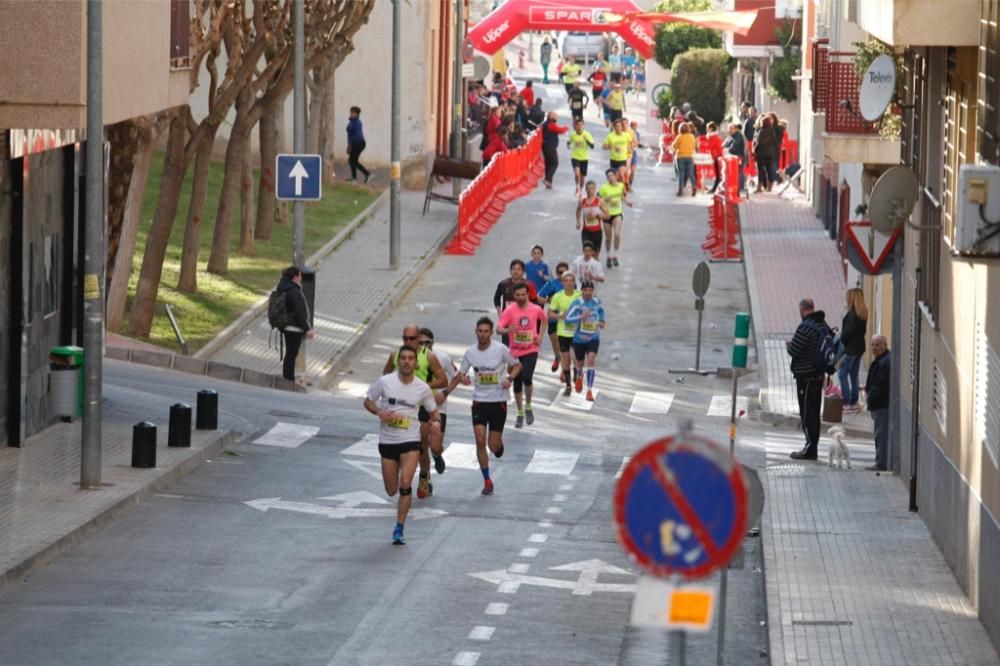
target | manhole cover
[{"x": 251, "y": 624}]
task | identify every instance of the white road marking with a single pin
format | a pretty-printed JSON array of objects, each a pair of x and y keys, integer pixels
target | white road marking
[
  {"x": 461, "y": 456},
  {"x": 651, "y": 402},
  {"x": 528, "y": 552},
  {"x": 566, "y": 486},
  {"x": 507, "y": 586},
  {"x": 556, "y": 510},
  {"x": 519, "y": 568},
  {"x": 465, "y": 659},
  {"x": 621, "y": 469},
  {"x": 350, "y": 500},
  {"x": 551, "y": 462},
  {"x": 586, "y": 583},
  {"x": 338, "y": 512},
  {"x": 497, "y": 608},
  {"x": 538, "y": 538},
  {"x": 559, "y": 498},
  {"x": 367, "y": 446},
  {"x": 287, "y": 435},
  {"x": 722, "y": 405},
  {"x": 545, "y": 524},
  {"x": 481, "y": 633},
  {"x": 576, "y": 400},
  {"x": 370, "y": 467}
]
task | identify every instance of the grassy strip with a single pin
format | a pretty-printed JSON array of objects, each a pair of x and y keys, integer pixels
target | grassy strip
[{"x": 222, "y": 299}]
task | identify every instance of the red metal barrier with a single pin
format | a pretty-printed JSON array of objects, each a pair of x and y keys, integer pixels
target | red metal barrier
[
  {"x": 509, "y": 175},
  {"x": 789, "y": 153},
  {"x": 722, "y": 241},
  {"x": 731, "y": 177}
]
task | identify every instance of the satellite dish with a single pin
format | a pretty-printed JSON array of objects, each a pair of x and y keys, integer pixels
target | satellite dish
[
  {"x": 878, "y": 84},
  {"x": 892, "y": 199},
  {"x": 480, "y": 67}
]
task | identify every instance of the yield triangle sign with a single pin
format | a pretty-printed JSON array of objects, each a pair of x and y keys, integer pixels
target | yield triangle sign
[{"x": 872, "y": 263}]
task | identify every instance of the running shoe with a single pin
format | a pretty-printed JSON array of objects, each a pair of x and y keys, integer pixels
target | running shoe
[
  {"x": 430, "y": 488},
  {"x": 499, "y": 452},
  {"x": 422, "y": 487},
  {"x": 519, "y": 423},
  {"x": 529, "y": 416},
  {"x": 615, "y": 260},
  {"x": 439, "y": 465},
  {"x": 397, "y": 536},
  {"x": 608, "y": 262},
  {"x": 555, "y": 365},
  {"x": 368, "y": 177},
  {"x": 567, "y": 390},
  {"x": 488, "y": 487},
  {"x": 590, "y": 395},
  {"x": 579, "y": 384}
]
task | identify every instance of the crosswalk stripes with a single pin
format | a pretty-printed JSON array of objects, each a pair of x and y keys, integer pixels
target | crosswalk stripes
[
  {"x": 461, "y": 456},
  {"x": 649, "y": 402},
  {"x": 551, "y": 462},
  {"x": 576, "y": 400},
  {"x": 367, "y": 446},
  {"x": 722, "y": 405},
  {"x": 287, "y": 435}
]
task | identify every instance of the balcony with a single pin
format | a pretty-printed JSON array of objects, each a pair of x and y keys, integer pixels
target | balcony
[
  {"x": 847, "y": 136},
  {"x": 921, "y": 22}
]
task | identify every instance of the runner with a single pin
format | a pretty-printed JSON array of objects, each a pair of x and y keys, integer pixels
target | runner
[
  {"x": 580, "y": 143},
  {"x": 544, "y": 295},
  {"x": 589, "y": 217},
  {"x": 586, "y": 315},
  {"x": 525, "y": 321},
  {"x": 612, "y": 194},
  {"x": 578, "y": 100},
  {"x": 633, "y": 159},
  {"x": 619, "y": 142},
  {"x": 616, "y": 103},
  {"x": 537, "y": 271},
  {"x": 437, "y": 437},
  {"x": 489, "y": 361},
  {"x": 615, "y": 62},
  {"x": 587, "y": 267},
  {"x": 395, "y": 399},
  {"x": 428, "y": 370},
  {"x": 570, "y": 72},
  {"x": 598, "y": 77},
  {"x": 504, "y": 295},
  {"x": 558, "y": 306}
]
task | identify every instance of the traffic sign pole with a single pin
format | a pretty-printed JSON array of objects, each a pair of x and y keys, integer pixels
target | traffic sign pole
[{"x": 700, "y": 280}]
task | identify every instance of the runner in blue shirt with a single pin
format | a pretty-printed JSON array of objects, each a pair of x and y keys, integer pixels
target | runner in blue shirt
[
  {"x": 552, "y": 287},
  {"x": 537, "y": 270},
  {"x": 587, "y": 313}
]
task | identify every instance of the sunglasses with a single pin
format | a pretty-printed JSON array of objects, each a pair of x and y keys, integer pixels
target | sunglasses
[
  {"x": 426, "y": 342},
  {"x": 409, "y": 337}
]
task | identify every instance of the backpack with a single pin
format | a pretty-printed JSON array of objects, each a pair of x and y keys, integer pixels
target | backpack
[
  {"x": 829, "y": 350},
  {"x": 277, "y": 311}
]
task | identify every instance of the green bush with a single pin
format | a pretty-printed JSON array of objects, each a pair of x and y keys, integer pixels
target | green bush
[
  {"x": 781, "y": 84},
  {"x": 672, "y": 39},
  {"x": 664, "y": 103},
  {"x": 700, "y": 77}
]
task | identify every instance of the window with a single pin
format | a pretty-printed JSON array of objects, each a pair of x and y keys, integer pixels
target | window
[
  {"x": 940, "y": 398},
  {"x": 988, "y": 394},
  {"x": 989, "y": 83},
  {"x": 180, "y": 39}
]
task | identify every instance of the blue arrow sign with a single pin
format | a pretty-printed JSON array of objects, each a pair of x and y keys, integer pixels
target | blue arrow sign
[
  {"x": 298, "y": 177},
  {"x": 680, "y": 507}
]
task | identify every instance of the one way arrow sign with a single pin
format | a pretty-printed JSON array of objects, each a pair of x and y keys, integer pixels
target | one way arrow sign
[
  {"x": 298, "y": 177},
  {"x": 348, "y": 509},
  {"x": 585, "y": 584}
]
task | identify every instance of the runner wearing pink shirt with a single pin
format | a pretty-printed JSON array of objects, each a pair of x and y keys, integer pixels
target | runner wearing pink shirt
[{"x": 523, "y": 322}]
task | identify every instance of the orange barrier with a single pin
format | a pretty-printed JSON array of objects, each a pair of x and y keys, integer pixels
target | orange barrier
[
  {"x": 509, "y": 175},
  {"x": 789, "y": 153},
  {"x": 730, "y": 170},
  {"x": 666, "y": 141},
  {"x": 722, "y": 242}
]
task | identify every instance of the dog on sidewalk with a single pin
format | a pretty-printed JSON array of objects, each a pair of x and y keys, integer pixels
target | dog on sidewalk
[{"x": 838, "y": 449}]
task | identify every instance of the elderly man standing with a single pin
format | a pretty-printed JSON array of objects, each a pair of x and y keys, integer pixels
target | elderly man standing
[
  {"x": 877, "y": 389},
  {"x": 809, "y": 376}
]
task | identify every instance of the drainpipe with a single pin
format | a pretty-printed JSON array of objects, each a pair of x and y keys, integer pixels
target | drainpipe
[{"x": 915, "y": 393}]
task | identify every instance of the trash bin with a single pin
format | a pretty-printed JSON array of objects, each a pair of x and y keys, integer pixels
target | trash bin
[{"x": 66, "y": 381}]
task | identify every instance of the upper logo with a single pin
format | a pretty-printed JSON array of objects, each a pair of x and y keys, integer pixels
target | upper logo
[{"x": 495, "y": 34}]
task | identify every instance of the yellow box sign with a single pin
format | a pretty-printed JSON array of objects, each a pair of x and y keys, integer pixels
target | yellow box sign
[{"x": 691, "y": 608}]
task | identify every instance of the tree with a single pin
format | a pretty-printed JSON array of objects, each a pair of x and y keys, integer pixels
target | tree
[
  {"x": 781, "y": 71},
  {"x": 700, "y": 78},
  {"x": 672, "y": 39}
]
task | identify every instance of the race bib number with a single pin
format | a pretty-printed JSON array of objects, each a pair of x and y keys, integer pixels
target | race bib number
[
  {"x": 589, "y": 326},
  {"x": 401, "y": 422},
  {"x": 524, "y": 336},
  {"x": 488, "y": 378}
]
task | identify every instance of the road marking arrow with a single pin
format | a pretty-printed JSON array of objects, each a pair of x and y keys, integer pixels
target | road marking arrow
[
  {"x": 585, "y": 584},
  {"x": 350, "y": 500},
  {"x": 297, "y": 173},
  {"x": 338, "y": 512}
]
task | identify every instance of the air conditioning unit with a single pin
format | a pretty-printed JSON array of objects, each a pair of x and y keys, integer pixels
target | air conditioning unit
[{"x": 978, "y": 211}]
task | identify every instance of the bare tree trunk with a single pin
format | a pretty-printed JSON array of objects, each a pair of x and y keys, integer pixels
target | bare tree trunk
[
  {"x": 246, "y": 203},
  {"x": 187, "y": 280},
  {"x": 265, "y": 188},
  {"x": 124, "y": 139},
  {"x": 314, "y": 116},
  {"x": 174, "y": 166},
  {"x": 326, "y": 139},
  {"x": 121, "y": 270},
  {"x": 281, "y": 210},
  {"x": 218, "y": 260}
]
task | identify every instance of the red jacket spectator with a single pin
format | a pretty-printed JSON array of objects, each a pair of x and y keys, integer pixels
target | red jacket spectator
[
  {"x": 715, "y": 145},
  {"x": 497, "y": 144},
  {"x": 528, "y": 95}
]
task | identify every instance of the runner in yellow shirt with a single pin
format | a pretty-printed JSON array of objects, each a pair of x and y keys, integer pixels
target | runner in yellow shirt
[
  {"x": 613, "y": 194},
  {"x": 580, "y": 143},
  {"x": 570, "y": 73},
  {"x": 619, "y": 142},
  {"x": 616, "y": 103}
]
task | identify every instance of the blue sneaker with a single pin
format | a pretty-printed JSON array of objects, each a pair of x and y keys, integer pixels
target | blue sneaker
[{"x": 397, "y": 536}]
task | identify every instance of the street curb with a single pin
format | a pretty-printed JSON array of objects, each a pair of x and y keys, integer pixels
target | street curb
[
  {"x": 753, "y": 298},
  {"x": 229, "y": 332},
  {"x": 167, "y": 477},
  {"x": 338, "y": 362}
]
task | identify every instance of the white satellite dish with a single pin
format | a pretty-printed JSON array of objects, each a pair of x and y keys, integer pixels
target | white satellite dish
[
  {"x": 892, "y": 199},
  {"x": 878, "y": 84}
]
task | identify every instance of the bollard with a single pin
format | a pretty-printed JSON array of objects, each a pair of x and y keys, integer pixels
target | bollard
[
  {"x": 208, "y": 410},
  {"x": 179, "y": 433},
  {"x": 144, "y": 445},
  {"x": 740, "y": 339}
]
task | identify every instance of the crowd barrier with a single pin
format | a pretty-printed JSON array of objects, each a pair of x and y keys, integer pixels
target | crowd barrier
[
  {"x": 789, "y": 155},
  {"x": 509, "y": 175},
  {"x": 723, "y": 239}
]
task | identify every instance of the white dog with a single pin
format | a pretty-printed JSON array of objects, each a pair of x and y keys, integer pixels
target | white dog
[{"x": 838, "y": 448}]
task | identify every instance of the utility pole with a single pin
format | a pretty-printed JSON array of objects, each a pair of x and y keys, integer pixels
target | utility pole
[
  {"x": 394, "y": 141},
  {"x": 457, "y": 92},
  {"x": 298, "y": 127},
  {"x": 94, "y": 253}
]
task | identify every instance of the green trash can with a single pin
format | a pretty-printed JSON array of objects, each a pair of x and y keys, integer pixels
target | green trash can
[{"x": 66, "y": 380}]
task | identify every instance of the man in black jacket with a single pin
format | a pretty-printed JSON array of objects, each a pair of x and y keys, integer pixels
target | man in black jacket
[
  {"x": 877, "y": 389},
  {"x": 295, "y": 303},
  {"x": 803, "y": 348}
]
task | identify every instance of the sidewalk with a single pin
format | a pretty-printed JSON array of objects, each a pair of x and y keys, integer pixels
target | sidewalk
[
  {"x": 43, "y": 511},
  {"x": 354, "y": 290},
  {"x": 852, "y": 576}
]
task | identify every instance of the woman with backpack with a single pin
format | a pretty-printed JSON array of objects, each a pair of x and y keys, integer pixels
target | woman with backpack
[
  {"x": 852, "y": 336},
  {"x": 290, "y": 316}
]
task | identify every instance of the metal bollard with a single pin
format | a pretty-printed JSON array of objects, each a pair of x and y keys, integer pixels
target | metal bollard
[
  {"x": 208, "y": 410},
  {"x": 144, "y": 445},
  {"x": 179, "y": 433}
]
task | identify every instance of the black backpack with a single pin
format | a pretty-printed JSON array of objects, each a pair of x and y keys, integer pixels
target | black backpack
[
  {"x": 277, "y": 311},
  {"x": 829, "y": 349}
]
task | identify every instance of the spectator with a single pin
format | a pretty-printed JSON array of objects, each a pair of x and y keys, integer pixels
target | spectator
[
  {"x": 298, "y": 316},
  {"x": 765, "y": 144},
  {"x": 736, "y": 145},
  {"x": 696, "y": 122},
  {"x": 497, "y": 144},
  {"x": 877, "y": 388},
  {"x": 715, "y": 150},
  {"x": 550, "y": 146},
  {"x": 744, "y": 110},
  {"x": 536, "y": 116},
  {"x": 779, "y": 135},
  {"x": 528, "y": 94},
  {"x": 356, "y": 144},
  {"x": 803, "y": 348},
  {"x": 516, "y": 137},
  {"x": 852, "y": 336},
  {"x": 750, "y": 124},
  {"x": 684, "y": 147},
  {"x": 493, "y": 123},
  {"x": 545, "y": 57}
]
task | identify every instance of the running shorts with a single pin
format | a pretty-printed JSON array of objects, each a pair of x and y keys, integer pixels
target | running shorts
[
  {"x": 581, "y": 349},
  {"x": 635, "y": 157},
  {"x": 425, "y": 417},
  {"x": 524, "y": 377},
  {"x": 616, "y": 77},
  {"x": 593, "y": 237},
  {"x": 565, "y": 342},
  {"x": 580, "y": 164},
  {"x": 618, "y": 164},
  {"x": 611, "y": 220},
  {"x": 614, "y": 114},
  {"x": 553, "y": 327},
  {"x": 493, "y": 415},
  {"x": 394, "y": 451}
]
